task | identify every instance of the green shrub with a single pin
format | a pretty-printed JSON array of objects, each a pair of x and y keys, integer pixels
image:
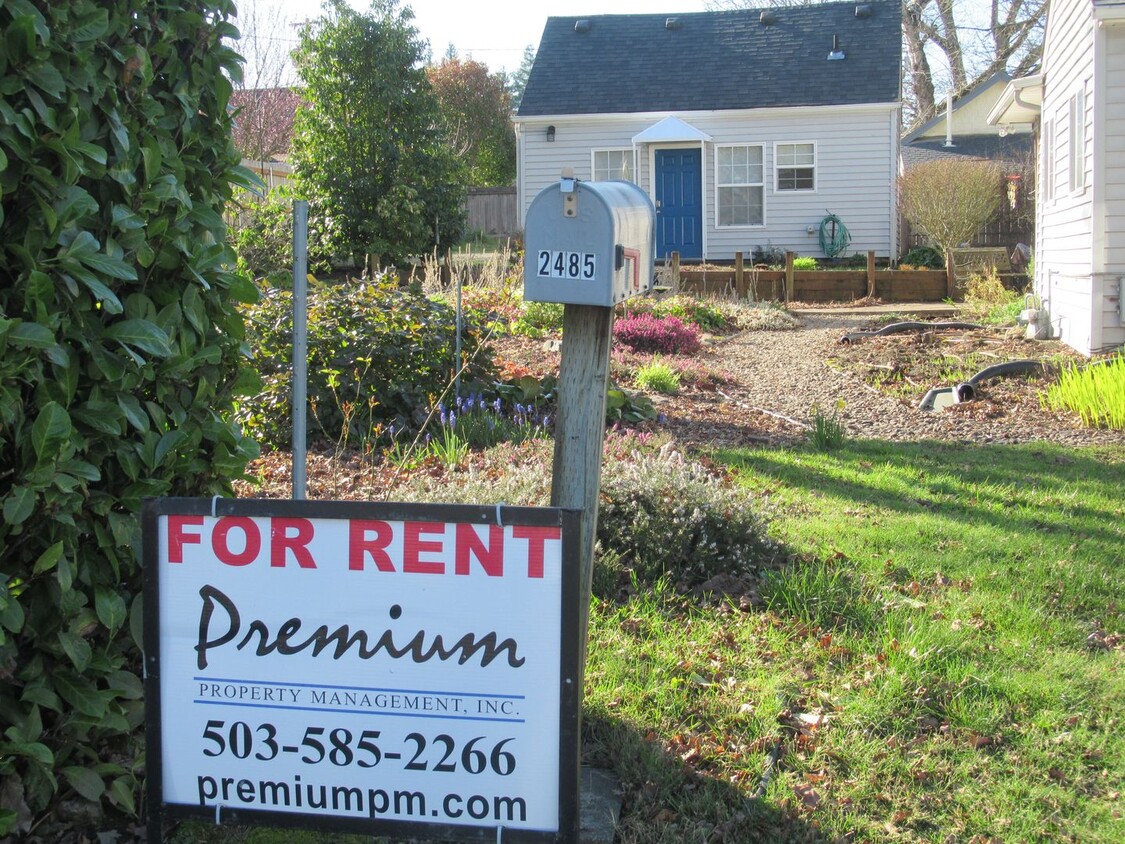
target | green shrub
[
  {"x": 666, "y": 515},
  {"x": 539, "y": 318},
  {"x": 262, "y": 237},
  {"x": 805, "y": 262},
  {"x": 657, "y": 376},
  {"x": 119, "y": 355},
  {"x": 379, "y": 355},
  {"x": 924, "y": 256}
]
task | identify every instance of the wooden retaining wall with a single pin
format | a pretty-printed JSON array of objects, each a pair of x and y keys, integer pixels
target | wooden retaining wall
[{"x": 790, "y": 285}]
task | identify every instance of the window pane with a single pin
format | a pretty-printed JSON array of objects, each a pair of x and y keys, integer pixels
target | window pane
[
  {"x": 613, "y": 164},
  {"x": 795, "y": 155},
  {"x": 740, "y": 206},
  {"x": 795, "y": 178},
  {"x": 739, "y": 165}
]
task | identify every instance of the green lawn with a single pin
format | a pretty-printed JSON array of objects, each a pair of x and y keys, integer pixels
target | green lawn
[{"x": 940, "y": 660}]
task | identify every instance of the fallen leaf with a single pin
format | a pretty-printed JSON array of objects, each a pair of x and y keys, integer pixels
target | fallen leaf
[{"x": 808, "y": 795}]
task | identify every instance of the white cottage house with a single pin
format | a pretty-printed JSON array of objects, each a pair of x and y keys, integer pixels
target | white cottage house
[
  {"x": 747, "y": 128},
  {"x": 1078, "y": 102}
]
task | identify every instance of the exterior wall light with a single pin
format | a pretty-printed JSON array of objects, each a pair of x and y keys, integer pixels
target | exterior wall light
[{"x": 550, "y": 134}]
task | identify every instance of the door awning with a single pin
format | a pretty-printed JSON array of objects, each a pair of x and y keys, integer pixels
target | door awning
[{"x": 670, "y": 130}]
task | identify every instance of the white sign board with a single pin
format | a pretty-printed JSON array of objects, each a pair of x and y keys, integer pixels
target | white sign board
[{"x": 398, "y": 669}]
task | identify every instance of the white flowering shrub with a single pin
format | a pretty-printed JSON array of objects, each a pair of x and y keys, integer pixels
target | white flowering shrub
[
  {"x": 659, "y": 513},
  {"x": 663, "y": 514}
]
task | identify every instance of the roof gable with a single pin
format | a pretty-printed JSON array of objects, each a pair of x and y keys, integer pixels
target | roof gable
[{"x": 611, "y": 64}]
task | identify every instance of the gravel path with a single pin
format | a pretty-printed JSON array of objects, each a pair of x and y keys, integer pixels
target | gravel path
[{"x": 784, "y": 374}]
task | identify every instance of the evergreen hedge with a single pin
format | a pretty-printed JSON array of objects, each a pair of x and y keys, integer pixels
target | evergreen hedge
[{"x": 120, "y": 352}]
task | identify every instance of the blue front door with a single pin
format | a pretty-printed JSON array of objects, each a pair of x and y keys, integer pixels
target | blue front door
[{"x": 679, "y": 203}]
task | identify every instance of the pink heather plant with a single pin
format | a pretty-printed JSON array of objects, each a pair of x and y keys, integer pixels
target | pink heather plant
[{"x": 659, "y": 335}]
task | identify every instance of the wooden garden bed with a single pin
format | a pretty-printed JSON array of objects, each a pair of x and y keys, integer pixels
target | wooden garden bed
[{"x": 812, "y": 285}]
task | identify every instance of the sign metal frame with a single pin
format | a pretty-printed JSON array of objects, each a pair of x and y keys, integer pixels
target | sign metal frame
[{"x": 570, "y": 664}]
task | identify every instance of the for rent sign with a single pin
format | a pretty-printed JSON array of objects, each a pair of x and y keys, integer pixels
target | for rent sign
[{"x": 393, "y": 669}]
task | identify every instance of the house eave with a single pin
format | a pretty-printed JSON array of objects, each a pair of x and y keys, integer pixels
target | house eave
[
  {"x": 1020, "y": 102},
  {"x": 653, "y": 116}
]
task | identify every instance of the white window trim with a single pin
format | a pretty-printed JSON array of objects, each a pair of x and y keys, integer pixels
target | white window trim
[
  {"x": 627, "y": 151},
  {"x": 777, "y": 167},
  {"x": 719, "y": 186}
]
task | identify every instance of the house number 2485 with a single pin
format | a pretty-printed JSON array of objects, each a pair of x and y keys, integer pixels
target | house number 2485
[{"x": 559, "y": 264}]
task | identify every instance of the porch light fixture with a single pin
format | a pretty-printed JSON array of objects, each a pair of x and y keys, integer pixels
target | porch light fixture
[
  {"x": 550, "y": 134},
  {"x": 837, "y": 55}
]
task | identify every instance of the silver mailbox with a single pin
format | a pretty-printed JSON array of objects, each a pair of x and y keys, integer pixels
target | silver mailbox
[{"x": 589, "y": 243}]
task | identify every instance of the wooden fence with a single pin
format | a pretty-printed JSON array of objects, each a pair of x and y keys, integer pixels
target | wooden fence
[
  {"x": 492, "y": 211},
  {"x": 809, "y": 285}
]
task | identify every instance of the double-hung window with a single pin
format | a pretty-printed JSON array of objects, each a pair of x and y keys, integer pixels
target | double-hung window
[
  {"x": 613, "y": 164},
  {"x": 795, "y": 166},
  {"x": 740, "y": 184}
]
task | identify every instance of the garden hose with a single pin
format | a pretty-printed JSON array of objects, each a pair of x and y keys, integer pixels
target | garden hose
[{"x": 834, "y": 235}]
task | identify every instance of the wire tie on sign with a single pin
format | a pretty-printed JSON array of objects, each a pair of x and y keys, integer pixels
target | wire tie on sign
[
  {"x": 499, "y": 834},
  {"x": 218, "y": 814},
  {"x": 499, "y": 523},
  {"x": 214, "y": 504}
]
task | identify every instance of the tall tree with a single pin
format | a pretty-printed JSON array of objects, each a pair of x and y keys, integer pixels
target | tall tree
[
  {"x": 368, "y": 144},
  {"x": 518, "y": 80},
  {"x": 476, "y": 109},
  {"x": 952, "y": 44}
]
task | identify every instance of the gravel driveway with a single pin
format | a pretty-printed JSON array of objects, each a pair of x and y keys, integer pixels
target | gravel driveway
[{"x": 779, "y": 376}]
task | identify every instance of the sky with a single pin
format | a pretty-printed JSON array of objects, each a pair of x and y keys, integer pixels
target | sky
[{"x": 494, "y": 32}]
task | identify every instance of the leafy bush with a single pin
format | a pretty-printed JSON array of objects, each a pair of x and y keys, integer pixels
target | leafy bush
[
  {"x": 805, "y": 262},
  {"x": 119, "y": 354},
  {"x": 379, "y": 355},
  {"x": 539, "y": 318},
  {"x": 924, "y": 256},
  {"x": 263, "y": 237},
  {"x": 666, "y": 515},
  {"x": 658, "y": 335},
  {"x": 657, "y": 376}
]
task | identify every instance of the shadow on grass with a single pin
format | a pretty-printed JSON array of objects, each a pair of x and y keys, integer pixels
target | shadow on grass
[{"x": 669, "y": 798}]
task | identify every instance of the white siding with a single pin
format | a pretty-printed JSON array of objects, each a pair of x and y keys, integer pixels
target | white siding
[
  {"x": 1065, "y": 230},
  {"x": 1110, "y": 187},
  {"x": 856, "y": 150}
]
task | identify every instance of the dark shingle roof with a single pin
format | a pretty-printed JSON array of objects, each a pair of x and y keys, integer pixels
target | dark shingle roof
[
  {"x": 1014, "y": 149},
  {"x": 717, "y": 60}
]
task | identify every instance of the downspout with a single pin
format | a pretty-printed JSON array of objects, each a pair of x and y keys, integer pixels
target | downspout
[{"x": 519, "y": 171}]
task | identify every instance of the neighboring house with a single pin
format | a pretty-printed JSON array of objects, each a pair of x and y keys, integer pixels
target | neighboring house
[
  {"x": 747, "y": 128},
  {"x": 263, "y": 121},
  {"x": 963, "y": 132},
  {"x": 1079, "y": 103}
]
